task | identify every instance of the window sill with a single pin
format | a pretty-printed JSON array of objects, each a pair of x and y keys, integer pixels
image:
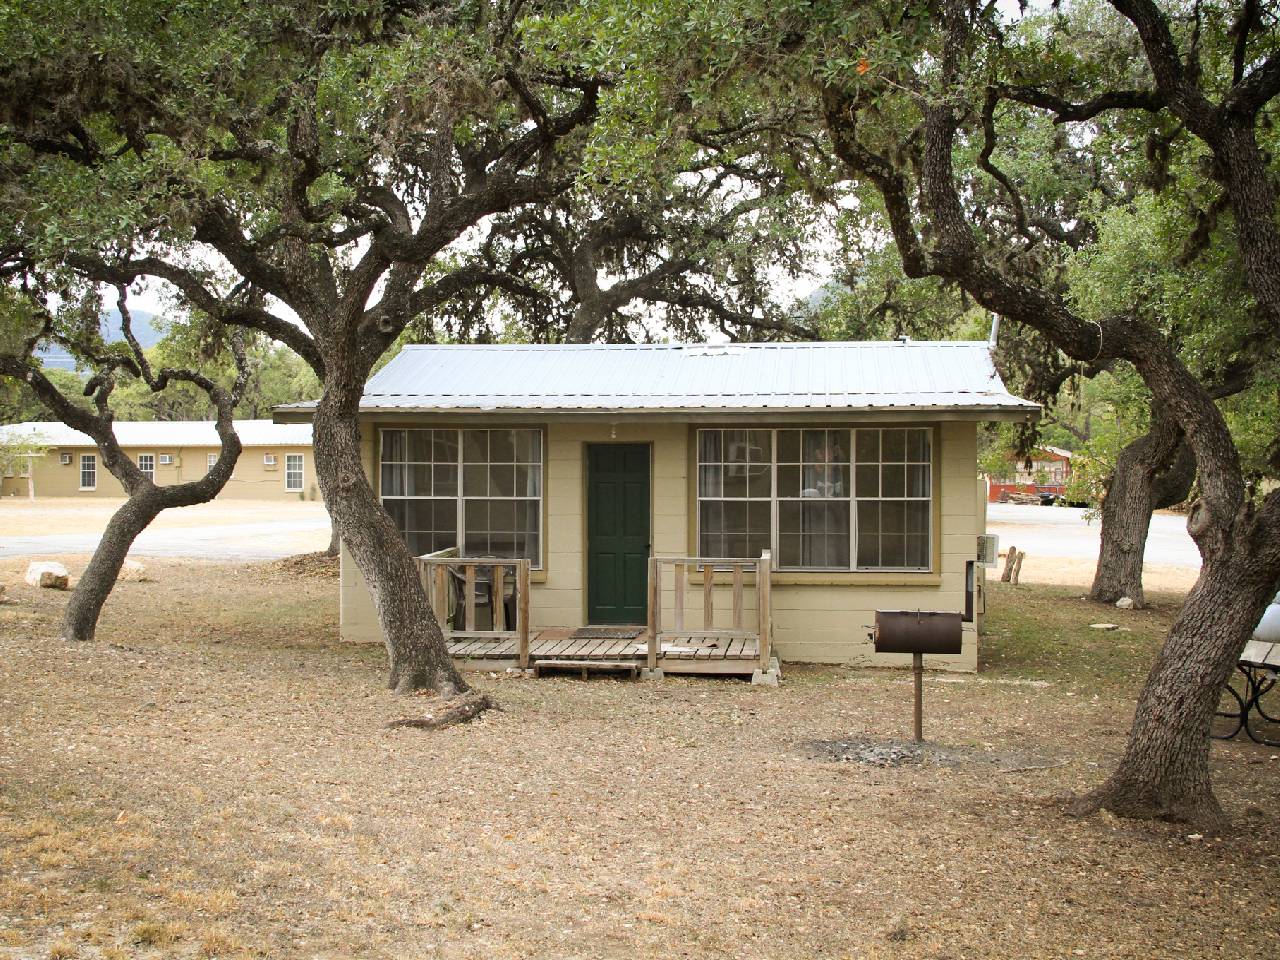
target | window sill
[{"x": 835, "y": 578}]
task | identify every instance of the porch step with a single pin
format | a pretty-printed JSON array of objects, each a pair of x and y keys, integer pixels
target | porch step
[{"x": 600, "y": 666}]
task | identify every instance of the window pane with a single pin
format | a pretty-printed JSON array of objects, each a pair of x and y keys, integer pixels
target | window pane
[
  {"x": 444, "y": 446},
  {"x": 893, "y": 550},
  {"x": 894, "y": 448},
  {"x": 893, "y": 517},
  {"x": 528, "y": 446},
  {"x": 759, "y": 519},
  {"x": 788, "y": 481},
  {"x": 445, "y": 480},
  {"x": 475, "y": 446},
  {"x": 418, "y": 480},
  {"x": 788, "y": 446},
  {"x": 419, "y": 446},
  {"x": 894, "y": 480},
  {"x": 917, "y": 481},
  {"x": 868, "y": 550},
  {"x": 868, "y": 480},
  {"x": 735, "y": 480},
  {"x": 735, "y": 516},
  {"x": 709, "y": 446},
  {"x": 393, "y": 446},
  {"x": 918, "y": 446},
  {"x": 815, "y": 446},
  {"x": 759, "y": 480},
  {"x": 392, "y": 480},
  {"x": 917, "y": 551},
  {"x": 396, "y": 510},
  {"x": 710, "y": 481},
  {"x": 502, "y": 480},
  {"x": 868, "y": 446},
  {"x": 529, "y": 481},
  {"x": 475, "y": 480},
  {"x": 502, "y": 446},
  {"x": 868, "y": 518},
  {"x": 735, "y": 442},
  {"x": 917, "y": 517},
  {"x": 760, "y": 446}
]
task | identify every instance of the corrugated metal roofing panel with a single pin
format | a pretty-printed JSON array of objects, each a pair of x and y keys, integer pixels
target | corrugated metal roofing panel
[
  {"x": 165, "y": 433},
  {"x": 953, "y": 375}
]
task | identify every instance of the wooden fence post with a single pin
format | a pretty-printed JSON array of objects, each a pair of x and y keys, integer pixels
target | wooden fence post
[
  {"x": 655, "y": 610},
  {"x": 763, "y": 602},
  {"x": 522, "y": 611}
]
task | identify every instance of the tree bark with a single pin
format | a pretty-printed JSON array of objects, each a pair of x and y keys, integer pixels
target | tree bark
[
  {"x": 335, "y": 541},
  {"x": 1164, "y": 773},
  {"x": 419, "y": 658},
  {"x": 80, "y": 619},
  {"x": 1152, "y": 472}
]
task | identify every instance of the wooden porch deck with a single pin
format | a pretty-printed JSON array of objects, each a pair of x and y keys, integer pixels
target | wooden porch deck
[{"x": 734, "y": 655}]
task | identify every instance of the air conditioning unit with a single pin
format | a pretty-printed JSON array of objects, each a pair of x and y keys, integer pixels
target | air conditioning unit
[
  {"x": 166, "y": 459},
  {"x": 268, "y": 459},
  {"x": 988, "y": 550},
  {"x": 64, "y": 459}
]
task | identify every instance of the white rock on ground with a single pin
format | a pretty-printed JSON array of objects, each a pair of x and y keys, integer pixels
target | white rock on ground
[
  {"x": 132, "y": 570},
  {"x": 1125, "y": 603},
  {"x": 47, "y": 573}
]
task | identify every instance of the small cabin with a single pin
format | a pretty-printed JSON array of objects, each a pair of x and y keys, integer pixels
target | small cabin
[{"x": 695, "y": 508}]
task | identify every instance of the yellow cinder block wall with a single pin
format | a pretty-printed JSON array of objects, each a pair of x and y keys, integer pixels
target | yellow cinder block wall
[{"x": 816, "y": 618}]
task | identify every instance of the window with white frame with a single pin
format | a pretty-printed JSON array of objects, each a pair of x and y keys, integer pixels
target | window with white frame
[
  {"x": 88, "y": 471},
  {"x": 293, "y": 477},
  {"x": 147, "y": 465},
  {"x": 813, "y": 499},
  {"x": 735, "y": 492},
  {"x": 210, "y": 461},
  {"x": 893, "y": 484},
  {"x": 821, "y": 499},
  {"x": 477, "y": 490},
  {"x": 268, "y": 459}
]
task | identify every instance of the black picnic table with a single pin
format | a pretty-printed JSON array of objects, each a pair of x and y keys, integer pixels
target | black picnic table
[{"x": 1242, "y": 705}]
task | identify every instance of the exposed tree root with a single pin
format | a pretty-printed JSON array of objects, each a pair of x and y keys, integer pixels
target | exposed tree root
[
  {"x": 459, "y": 709},
  {"x": 1206, "y": 815}
]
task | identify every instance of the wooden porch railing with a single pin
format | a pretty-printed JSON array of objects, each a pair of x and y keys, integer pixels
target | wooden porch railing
[
  {"x": 734, "y": 571},
  {"x": 434, "y": 570}
]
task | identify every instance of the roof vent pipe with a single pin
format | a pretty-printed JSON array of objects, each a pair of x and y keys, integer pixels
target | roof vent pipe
[{"x": 995, "y": 332}]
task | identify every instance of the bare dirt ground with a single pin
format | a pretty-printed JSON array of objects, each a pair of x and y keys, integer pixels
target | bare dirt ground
[{"x": 214, "y": 778}]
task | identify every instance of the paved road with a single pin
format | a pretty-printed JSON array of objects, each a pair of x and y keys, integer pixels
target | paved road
[
  {"x": 1063, "y": 532},
  {"x": 262, "y": 540}
]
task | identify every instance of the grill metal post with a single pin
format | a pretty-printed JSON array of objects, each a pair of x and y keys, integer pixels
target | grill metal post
[{"x": 917, "y": 667}]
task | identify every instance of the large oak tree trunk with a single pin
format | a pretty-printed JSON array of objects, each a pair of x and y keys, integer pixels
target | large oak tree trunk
[
  {"x": 1164, "y": 772},
  {"x": 416, "y": 648},
  {"x": 1152, "y": 472},
  {"x": 80, "y": 620}
]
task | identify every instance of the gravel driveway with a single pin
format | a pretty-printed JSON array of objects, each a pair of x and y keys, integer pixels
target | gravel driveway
[{"x": 1064, "y": 532}]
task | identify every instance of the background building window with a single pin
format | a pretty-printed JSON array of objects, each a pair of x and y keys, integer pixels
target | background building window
[
  {"x": 478, "y": 490},
  {"x": 210, "y": 461},
  {"x": 735, "y": 492},
  {"x": 293, "y": 477},
  {"x": 893, "y": 485},
  {"x": 147, "y": 465},
  {"x": 88, "y": 471}
]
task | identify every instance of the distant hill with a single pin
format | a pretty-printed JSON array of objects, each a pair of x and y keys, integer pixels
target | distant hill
[{"x": 144, "y": 329}]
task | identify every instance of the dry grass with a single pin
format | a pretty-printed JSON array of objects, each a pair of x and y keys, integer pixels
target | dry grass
[{"x": 214, "y": 778}]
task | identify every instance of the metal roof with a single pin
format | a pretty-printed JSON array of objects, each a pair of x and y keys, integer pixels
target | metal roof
[
  {"x": 829, "y": 376},
  {"x": 164, "y": 433}
]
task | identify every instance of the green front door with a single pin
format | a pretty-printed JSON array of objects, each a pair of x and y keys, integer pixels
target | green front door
[{"x": 617, "y": 532}]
